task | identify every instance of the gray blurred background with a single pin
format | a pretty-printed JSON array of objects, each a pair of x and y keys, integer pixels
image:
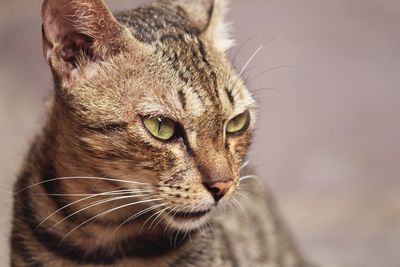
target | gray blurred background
[{"x": 328, "y": 132}]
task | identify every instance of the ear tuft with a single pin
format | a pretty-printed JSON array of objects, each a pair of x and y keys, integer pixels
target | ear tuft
[
  {"x": 220, "y": 30},
  {"x": 208, "y": 17}
]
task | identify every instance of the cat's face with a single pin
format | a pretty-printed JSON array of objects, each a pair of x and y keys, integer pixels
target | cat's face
[{"x": 171, "y": 114}]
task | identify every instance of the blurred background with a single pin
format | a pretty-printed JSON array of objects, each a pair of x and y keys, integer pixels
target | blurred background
[{"x": 328, "y": 130}]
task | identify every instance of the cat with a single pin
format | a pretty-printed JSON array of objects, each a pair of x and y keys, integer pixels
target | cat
[{"x": 142, "y": 157}]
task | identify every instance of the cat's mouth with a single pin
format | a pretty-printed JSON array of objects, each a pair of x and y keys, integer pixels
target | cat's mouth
[{"x": 192, "y": 216}]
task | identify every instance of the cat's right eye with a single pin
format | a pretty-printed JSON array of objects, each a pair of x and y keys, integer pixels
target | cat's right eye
[
  {"x": 160, "y": 128},
  {"x": 238, "y": 124}
]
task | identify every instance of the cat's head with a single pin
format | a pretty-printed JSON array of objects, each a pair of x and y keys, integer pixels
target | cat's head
[{"x": 149, "y": 96}]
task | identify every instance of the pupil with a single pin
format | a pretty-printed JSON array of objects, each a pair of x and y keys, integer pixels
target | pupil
[{"x": 159, "y": 125}]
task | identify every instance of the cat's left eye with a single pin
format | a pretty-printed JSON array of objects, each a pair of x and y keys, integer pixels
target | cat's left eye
[
  {"x": 238, "y": 124},
  {"x": 160, "y": 128}
]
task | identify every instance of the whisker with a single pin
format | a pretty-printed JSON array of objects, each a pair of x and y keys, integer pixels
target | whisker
[
  {"x": 111, "y": 193},
  {"x": 178, "y": 210},
  {"x": 274, "y": 68},
  {"x": 176, "y": 237},
  {"x": 190, "y": 235},
  {"x": 79, "y": 177},
  {"x": 210, "y": 226},
  {"x": 253, "y": 193},
  {"x": 177, "y": 231},
  {"x": 234, "y": 61},
  {"x": 240, "y": 206},
  {"x": 99, "y": 202},
  {"x": 242, "y": 195},
  {"x": 202, "y": 230},
  {"x": 250, "y": 176},
  {"x": 265, "y": 89},
  {"x": 168, "y": 213},
  {"x": 75, "y": 202},
  {"x": 137, "y": 215},
  {"x": 106, "y": 212},
  {"x": 244, "y": 164},
  {"x": 256, "y": 52},
  {"x": 251, "y": 59},
  {"x": 157, "y": 214},
  {"x": 230, "y": 205},
  {"x": 246, "y": 72}
]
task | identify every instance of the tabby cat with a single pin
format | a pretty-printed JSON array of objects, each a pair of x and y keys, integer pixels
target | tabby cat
[{"x": 141, "y": 161}]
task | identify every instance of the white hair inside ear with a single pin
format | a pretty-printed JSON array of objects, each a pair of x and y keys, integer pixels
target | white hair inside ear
[
  {"x": 218, "y": 28},
  {"x": 208, "y": 17}
]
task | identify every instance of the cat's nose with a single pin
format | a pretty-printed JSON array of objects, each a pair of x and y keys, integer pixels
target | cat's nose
[{"x": 218, "y": 189}]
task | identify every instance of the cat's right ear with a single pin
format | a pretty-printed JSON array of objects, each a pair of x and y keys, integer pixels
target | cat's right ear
[
  {"x": 208, "y": 16},
  {"x": 77, "y": 33}
]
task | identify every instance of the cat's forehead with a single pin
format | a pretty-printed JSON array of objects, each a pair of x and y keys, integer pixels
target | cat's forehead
[
  {"x": 203, "y": 85},
  {"x": 186, "y": 73}
]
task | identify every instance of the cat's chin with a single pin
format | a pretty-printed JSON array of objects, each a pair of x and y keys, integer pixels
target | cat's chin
[{"x": 188, "y": 221}]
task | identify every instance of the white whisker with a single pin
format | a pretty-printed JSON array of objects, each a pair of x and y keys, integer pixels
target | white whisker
[
  {"x": 137, "y": 215},
  {"x": 168, "y": 213},
  {"x": 244, "y": 164},
  {"x": 111, "y": 193},
  {"x": 242, "y": 195},
  {"x": 157, "y": 214},
  {"x": 80, "y": 177},
  {"x": 250, "y": 177},
  {"x": 106, "y": 212},
  {"x": 273, "y": 68},
  {"x": 256, "y": 52},
  {"x": 99, "y": 202},
  {"x": 246, "y": 177},
  {"x": 240, "y": 206},
  {"x": 263, "y": 197},
  {"x": 75, "y": 202},
  {"x": 211, "y": 227},
  {"x": 250, "y": 59},
  {"x": 230, "y": 205}
]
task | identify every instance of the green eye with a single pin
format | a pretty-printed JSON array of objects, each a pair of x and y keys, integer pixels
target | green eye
[
  {"x": 163, "y": 129},
  {"x": 238, "y": 123}
]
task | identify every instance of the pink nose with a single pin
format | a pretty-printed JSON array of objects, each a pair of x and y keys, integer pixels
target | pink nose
[{"x": 218, "y": 189}]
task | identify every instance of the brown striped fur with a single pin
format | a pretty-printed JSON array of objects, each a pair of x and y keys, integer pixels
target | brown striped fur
[{"x": 166, "y": 59}]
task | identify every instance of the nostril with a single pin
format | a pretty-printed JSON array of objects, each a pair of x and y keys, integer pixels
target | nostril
[
  {"x": 214, "y": 190},
  {"x": 218, "y": 189}
]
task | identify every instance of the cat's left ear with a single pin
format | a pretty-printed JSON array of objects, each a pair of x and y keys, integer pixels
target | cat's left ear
[
  {"x": 208, "y": 17},
  {"x": 77, "y": 33}
]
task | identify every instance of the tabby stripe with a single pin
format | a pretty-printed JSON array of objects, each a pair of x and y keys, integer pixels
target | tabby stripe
[
  {"x": 19, "y": 247},
  {"x": 182, "y": 99},
  {"x": 106, "y": 129},
  {"x": 213, "y": 78},
  {"x": 17, "y": 242},
  {"x": 107, "y": 155},
  {"x": 203, "y": 53},
  {"x": 230, "y": 96}
]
